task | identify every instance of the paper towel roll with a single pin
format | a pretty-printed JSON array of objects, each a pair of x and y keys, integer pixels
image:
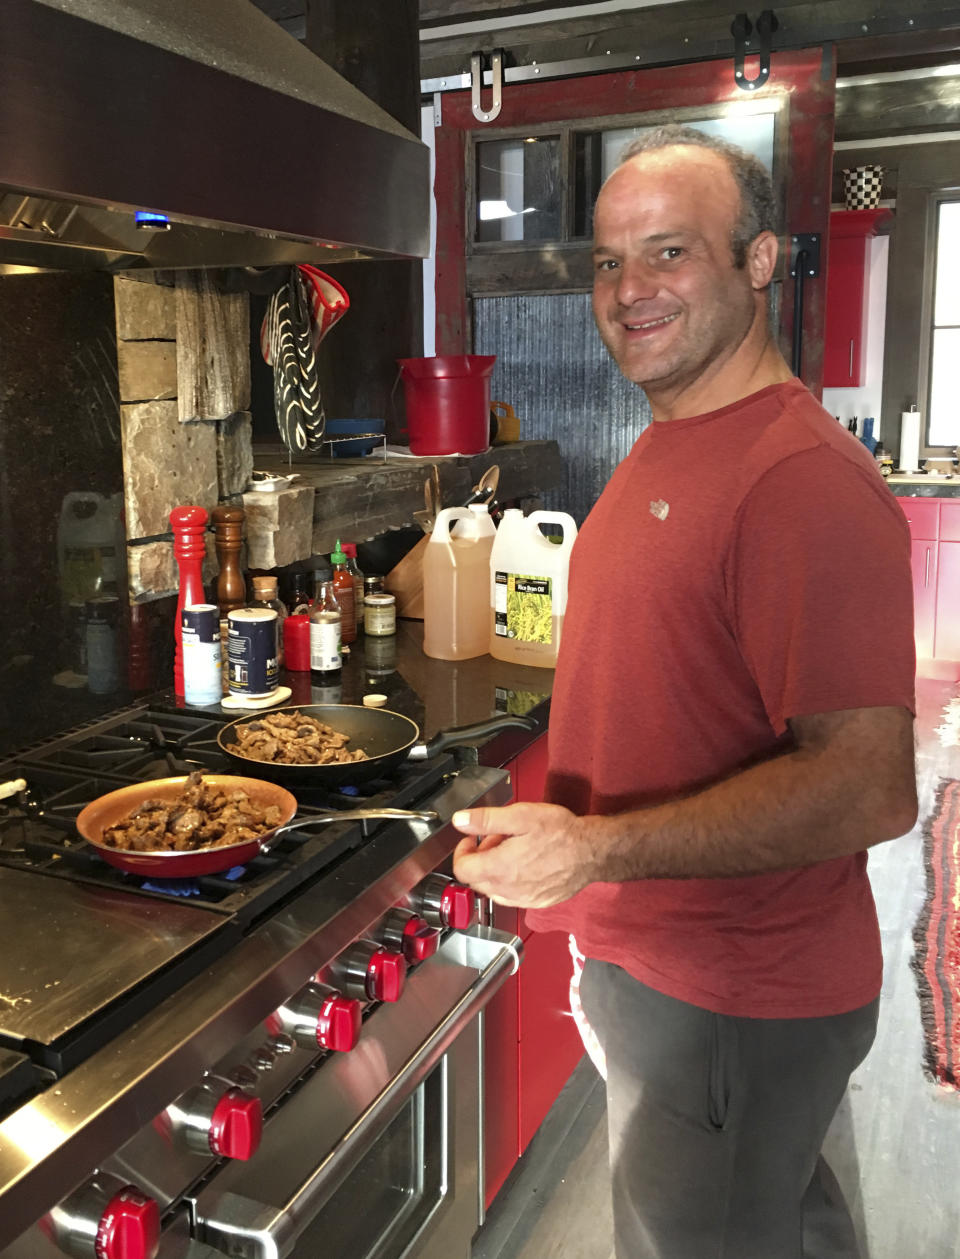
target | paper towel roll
[{"x": 909, "y": 441}]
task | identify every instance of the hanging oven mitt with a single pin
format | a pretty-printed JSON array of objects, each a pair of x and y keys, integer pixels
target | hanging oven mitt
[{"x": 298, "y": 317}]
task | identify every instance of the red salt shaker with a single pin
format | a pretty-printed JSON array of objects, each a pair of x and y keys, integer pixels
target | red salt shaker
[
  {"x": 296, "y": 642},
  {"x": 189, "y": 525}
]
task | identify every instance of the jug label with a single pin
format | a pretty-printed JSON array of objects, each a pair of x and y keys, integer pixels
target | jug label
[{"x": 523, "y": 607}]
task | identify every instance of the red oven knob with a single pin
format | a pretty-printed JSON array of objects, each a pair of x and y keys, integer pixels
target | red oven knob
[
  {"x": 210, "y": 1119},
  {"x": 339, "y": 1023},
  {"x": 371, "y": 973},
  {"x": 458, "y": 906},
  {"x": 105, "y": 1218},
  {"x": 129, "y": 1228},
  {"x": 444, "y": 903},
  {"x": 386, "y": 974},
  {"x": 411, "y": 935},
  {"x": 319, "y": 1017},
  {"x": 236, "y": 1125}
]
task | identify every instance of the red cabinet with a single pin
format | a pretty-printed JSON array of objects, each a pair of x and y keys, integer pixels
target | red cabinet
[
  {"x": 531, "y": 1043},
  {"x": 844, "y": 334},
  {"x": 923, "y": 560},
  {"x": 947, "y": 621},
  {"x": 935, "y": 561}
]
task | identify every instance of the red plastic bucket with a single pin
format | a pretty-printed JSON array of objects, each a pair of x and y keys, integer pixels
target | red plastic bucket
[{"x": 448, "y": 403}]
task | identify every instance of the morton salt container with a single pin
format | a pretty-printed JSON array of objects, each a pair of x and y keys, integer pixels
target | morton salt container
[
  {"x": 456, "y": 578},
  {"x": 528, "y": 586},
  {"x": 252, "y": 651}
]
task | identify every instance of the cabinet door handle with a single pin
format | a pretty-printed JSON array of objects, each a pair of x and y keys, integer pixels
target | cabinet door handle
[
  {"x": 926, "y": 572},
  {"x": 850, "y": 373}
]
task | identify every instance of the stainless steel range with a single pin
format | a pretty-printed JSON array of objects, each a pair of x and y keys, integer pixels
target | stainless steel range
[{"x": 280, "y": 1061}]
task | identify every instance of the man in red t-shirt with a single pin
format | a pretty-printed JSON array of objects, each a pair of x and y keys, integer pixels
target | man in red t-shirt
[{"x": 730, "y": 730}]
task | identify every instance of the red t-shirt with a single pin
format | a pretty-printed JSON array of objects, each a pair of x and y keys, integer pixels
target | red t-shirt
[{"x": 741, "y": 568}]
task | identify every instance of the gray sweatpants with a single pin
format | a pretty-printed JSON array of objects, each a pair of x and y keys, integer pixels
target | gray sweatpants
[{"x": 716, "y": 1124}]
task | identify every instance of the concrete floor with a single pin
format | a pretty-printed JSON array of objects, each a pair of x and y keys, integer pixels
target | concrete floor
[{"x": 895, "y": 1142}]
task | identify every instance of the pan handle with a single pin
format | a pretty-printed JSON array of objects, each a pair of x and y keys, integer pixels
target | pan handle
[
  {"x": 350, "y": 815},
  {"x": 463, "y": 734}
]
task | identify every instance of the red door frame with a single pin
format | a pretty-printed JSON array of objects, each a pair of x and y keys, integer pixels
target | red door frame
[{"x": 807, "y": 77}]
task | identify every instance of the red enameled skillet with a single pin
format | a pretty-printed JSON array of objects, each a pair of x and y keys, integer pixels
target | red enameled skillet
[{"x": 107, "y": 810}]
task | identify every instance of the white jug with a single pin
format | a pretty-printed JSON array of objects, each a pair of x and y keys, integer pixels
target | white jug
[{"x": 528, "y": 587}]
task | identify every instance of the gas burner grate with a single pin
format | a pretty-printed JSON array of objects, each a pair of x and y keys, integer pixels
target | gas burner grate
[{"x": 149, "y": 745}]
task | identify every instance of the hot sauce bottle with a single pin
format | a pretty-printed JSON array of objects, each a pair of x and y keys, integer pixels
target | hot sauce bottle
[{"x": 345, "y": 593}]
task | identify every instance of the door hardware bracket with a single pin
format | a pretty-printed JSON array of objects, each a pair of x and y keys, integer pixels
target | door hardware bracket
[
  {"x": 476, "y": 83},
  {"x": 741, "y": 29},
  {"x": 805, "y": 249}
]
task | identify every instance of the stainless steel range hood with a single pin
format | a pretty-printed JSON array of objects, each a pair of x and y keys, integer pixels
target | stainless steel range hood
[{"x": 201, "y": 110}]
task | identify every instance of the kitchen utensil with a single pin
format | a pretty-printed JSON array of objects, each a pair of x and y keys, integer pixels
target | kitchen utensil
[
  {"x": 290, "y": 350},
  {"x": 107, "y": 810},
  {"x": 12, "y": 788},
  {"x": 354, "y": 438},
  {"x": 507, "y": 424},
  {"x": 486, "y": 487},
  {"x": 271, "y": 481},
  {"x": 388, "y": 738}
]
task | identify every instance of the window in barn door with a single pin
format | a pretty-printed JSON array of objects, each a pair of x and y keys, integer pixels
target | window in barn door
[
  {"x": 944, "y": 388},
  {"x": 520, "y": 180}
]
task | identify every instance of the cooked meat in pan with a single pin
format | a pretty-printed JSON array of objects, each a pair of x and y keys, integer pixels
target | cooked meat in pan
[
  {"x": 293, "y": 739},
  {"x": 204, "y": 816}
]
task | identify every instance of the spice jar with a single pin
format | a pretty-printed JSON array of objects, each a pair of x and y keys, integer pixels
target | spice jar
[{"x": 380, "y": 614}]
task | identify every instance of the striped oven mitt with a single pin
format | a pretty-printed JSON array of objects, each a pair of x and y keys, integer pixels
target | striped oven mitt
[{"x": 298, "y": 317}]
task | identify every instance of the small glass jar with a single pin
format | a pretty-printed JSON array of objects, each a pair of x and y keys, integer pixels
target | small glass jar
[
  {"x": 372, "y": 585},
  {"x": 380, "y": 614}
]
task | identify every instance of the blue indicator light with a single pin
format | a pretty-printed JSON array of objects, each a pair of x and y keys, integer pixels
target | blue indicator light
[{"x": 149, "y": 219}]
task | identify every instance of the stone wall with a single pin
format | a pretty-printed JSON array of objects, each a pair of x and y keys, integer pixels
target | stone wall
[{"x": 184, "y": 372}]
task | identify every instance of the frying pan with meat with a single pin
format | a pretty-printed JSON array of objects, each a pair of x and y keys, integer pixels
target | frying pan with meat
[
  {"x": 388, "y": 738},
  {"x": 115, "y": 806}
]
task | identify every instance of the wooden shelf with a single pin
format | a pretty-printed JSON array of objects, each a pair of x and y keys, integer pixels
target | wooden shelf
[{"x": 362, "y": 498}]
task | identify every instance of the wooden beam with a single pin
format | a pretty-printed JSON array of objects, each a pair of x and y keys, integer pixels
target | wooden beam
[
  {"x": 696, "y": 30},
  {"x": 898, "y": 107}
]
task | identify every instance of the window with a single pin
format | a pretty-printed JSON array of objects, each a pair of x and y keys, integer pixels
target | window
[{"x": 944, "y": 388}]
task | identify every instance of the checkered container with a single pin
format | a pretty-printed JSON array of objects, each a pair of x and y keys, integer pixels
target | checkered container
[{"x": 861, "y": 187}]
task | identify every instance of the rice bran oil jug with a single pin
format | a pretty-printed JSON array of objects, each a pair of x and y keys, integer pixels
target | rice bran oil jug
[
  {"x": 528, "y": 587},
  {"x": 456, "y": 581}
]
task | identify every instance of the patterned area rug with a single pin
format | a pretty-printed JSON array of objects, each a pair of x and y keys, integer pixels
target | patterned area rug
[{"x": 937, "y": 939}]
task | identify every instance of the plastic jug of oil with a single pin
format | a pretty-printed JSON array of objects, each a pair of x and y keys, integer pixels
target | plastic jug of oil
[
  {"x": 456, "y": 581},
  {"x": 528, "y": 586}
]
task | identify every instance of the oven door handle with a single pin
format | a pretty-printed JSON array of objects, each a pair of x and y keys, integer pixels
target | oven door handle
[{"x": 246, "y": 1227}]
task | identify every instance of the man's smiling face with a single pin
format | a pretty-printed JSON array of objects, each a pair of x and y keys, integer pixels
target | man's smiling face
[{"x": 667, "y": 297}]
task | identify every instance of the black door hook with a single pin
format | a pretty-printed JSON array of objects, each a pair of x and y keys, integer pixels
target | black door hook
[{"x": 741, "y": 29}]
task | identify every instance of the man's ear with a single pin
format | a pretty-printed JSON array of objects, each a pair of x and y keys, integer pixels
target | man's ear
[{"x": 762, "y": 259}]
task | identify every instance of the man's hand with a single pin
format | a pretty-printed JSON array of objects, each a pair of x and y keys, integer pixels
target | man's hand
[{"x": 528, "y": 855}]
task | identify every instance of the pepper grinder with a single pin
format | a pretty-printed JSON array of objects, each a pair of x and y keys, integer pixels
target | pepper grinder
[
  {"x": 231, "y": 587},
  {"x": 188, "y": 524}
]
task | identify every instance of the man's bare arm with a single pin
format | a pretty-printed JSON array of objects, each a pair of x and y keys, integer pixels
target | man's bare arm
[{"x": 849, "y": 784}]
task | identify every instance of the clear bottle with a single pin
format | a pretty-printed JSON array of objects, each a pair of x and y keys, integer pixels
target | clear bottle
[
  {"x": 321, "y": 572},
  {"x": 325, "y": 659},
  {"x": 346, "y": 596},
  {"x": 456, "y": 584},
  {"x": 350, "y": 551},
  {"x": 265, "y": 596}
]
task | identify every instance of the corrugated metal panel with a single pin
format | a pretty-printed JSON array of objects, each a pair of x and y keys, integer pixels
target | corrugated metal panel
[{"x": 553, "y": 369}]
